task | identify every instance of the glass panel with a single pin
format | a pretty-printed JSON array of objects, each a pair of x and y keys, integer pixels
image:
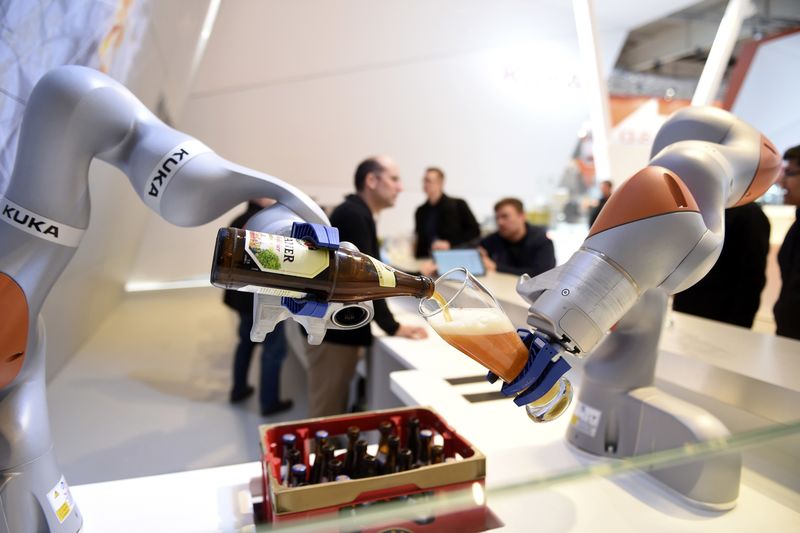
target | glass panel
[{"x": 565, "y": 498}]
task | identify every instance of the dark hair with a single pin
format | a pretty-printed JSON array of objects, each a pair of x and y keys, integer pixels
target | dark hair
[
  {"x": 607, "y": 182},
  {"x": 792, "y": 154},
  {"x": 367, "y": 166},
  {"x": 517, "y": 204},
  {"x": 437, "y": 170}
]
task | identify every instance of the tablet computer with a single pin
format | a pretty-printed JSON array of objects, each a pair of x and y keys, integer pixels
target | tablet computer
[{"x": 468, "y": 258}]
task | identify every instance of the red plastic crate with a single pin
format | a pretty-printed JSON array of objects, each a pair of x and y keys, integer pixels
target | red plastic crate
[{"x": 283, "y": 504}]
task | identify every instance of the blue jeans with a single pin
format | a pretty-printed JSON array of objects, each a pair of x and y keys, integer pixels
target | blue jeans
[{"x": 273, "y": 352}]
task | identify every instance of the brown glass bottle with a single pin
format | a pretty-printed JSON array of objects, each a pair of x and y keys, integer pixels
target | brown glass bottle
[{"x": 272, "y": 264}]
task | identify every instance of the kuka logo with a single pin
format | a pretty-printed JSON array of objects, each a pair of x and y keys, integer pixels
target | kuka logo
[
  {"x": 157, "y": 181},
  {"x": 167, "y": 168},
  {"x": 31, "y": 222}
]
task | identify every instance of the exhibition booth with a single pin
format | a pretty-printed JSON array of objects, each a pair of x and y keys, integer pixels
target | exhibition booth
[{"x": 184, "y": 184}]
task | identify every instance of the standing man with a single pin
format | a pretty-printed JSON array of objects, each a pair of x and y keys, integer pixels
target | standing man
[
  {"x": 742, "y": 264},
  {"x": 273, "y": 348},
  {"x": 605, "y": 192},
  {"x": 442, "y": 222},
  {"x": 516, "y": 247},
  {"x": 332, "y": 363},
  {"x": 787, "y": 308}
]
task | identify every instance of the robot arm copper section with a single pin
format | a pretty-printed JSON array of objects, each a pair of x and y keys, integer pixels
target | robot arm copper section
[{"x": 663, "y": 228}]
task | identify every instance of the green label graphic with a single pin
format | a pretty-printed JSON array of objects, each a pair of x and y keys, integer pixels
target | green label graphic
[{"x": 284, "y": 255}]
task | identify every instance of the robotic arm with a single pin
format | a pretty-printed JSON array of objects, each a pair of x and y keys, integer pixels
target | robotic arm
[
  {"x": 658, "y": 234},
  {"x": 75, "y": 114},
  {"x": 663, "y": 228}
]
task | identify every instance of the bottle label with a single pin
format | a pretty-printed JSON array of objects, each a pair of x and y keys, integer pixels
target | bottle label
[
  {"x": 386, "y": 277},
  {"x": 274, "y": 292},
  {"x": 284, "y": 255}
]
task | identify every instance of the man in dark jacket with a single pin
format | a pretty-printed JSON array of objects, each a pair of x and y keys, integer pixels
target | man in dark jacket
[
  {"x": 332, "y": 363},
  {"x": 516, "y": 247},
  {"x": 442, "y": 222},
  {"x": 273, "y": 348},
  {"x": 731, "y": 291},
  {"x": 787, "y": 308}
]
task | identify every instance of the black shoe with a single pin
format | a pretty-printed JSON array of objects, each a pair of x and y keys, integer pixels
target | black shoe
[
  {"x": 241, "y": 395},
  {"x": 281, "y": 406}
]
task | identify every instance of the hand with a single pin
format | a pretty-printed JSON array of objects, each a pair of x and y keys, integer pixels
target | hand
[
  {"x": 439, "y": 244},
  {"x": 411, "y": 332},
  {"x": 488, "y": 264},
  {"x": 427, "y": 268}
]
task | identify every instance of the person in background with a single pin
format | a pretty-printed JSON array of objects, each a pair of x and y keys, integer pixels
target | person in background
[
  {"x": 516, "y": 247},
  {"x": 731, "y": 291},
  {"x": 442, "y": 222},
  {"x": 332, "y": 364},
  {"x": 273, "y": 348},
  {"x": 605, "y": 192},
  {"x": 787, "y": 308}
]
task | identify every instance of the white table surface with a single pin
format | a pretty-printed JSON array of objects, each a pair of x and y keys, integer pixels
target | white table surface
[
  {"x": 694, "y": 352},
  {"x": 519, "y": 450},
  {"x": 208, "y": 500}
]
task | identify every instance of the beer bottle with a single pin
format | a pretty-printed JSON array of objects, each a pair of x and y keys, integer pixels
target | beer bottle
[
  {"x": 385, "y": 429},
  {"x": 317, "y": 470},
  {"x": 298, "y": 475},
  {"x": 335, "y": 468},
  {"x": 295, "y": 457},
  {"x": 425, "y": 438},
  {"x": 350, "y": 461},
  {"x": 288, "y": 440},
  {"x": 327, "y": 456},
  {"x": 412, "y": 442},
  {"x": 369, "y": 467},
  {"x": 404, "y": 459},
  {"x": 390, "y": 466},
  {"x": 360, "y": 452},
  {"x": 272, "y": 264},
  {"x": 437, "y": 454}
]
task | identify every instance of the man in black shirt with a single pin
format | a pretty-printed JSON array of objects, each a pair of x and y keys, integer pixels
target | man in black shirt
[
  {"x": 332, "y": 363},
  {"x": 273, "y": 350},
  {"x": 731, "y": 291},
  {"x": 516, "y": 247},
  {"x": 442, "y": 222},
  {"x": 787, "y": 308}
]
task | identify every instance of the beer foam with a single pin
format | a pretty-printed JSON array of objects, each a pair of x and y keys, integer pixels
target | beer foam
[{"x": 473, "y": 321}]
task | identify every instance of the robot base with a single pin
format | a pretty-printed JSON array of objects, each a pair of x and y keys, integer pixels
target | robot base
[
  {"x": 647, "y": 420},
  {"x": 32, "y": 499},
  {"x": 620, "y": 414}
]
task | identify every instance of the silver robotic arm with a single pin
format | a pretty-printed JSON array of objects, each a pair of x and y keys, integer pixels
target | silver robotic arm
[
  {"x": 663, "y": 228},
  {"x": 658, "y": 234},
  {"x": 74, "y": 115}
]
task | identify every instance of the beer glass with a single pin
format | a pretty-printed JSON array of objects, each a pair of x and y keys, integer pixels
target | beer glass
[{"x": 466, "y": 315}]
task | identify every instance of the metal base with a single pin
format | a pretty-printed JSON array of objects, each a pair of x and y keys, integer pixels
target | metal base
[
  {"x": 24, "y": 503},
  {"x": 623, "y": 424},
  {"x": 621, "y": 414}
]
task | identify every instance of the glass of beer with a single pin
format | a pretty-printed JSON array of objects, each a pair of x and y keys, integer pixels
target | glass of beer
[{"x": 468, "y": 317}]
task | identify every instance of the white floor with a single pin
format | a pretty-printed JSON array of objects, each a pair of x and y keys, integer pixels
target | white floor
[{"x": 148, "y": 394}]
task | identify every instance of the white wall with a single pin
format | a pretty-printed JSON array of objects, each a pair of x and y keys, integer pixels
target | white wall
[
  {"x": 768, "y": 96},
  {"x": 305, "y": 90},
  {"x": 92, "y": 284}
]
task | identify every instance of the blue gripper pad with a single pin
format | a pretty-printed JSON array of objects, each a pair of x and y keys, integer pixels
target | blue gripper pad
[
  {"x": 319, "y": 235},
  {"x": 540, "y": 352},
  {"x": 552, "y": 374},
  {"x": 305, "y": 307}
]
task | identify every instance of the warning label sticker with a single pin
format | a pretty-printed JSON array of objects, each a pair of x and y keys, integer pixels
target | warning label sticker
[
  {"x": 586, "y": 419},
  {"x": 61, "y": 500}
]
